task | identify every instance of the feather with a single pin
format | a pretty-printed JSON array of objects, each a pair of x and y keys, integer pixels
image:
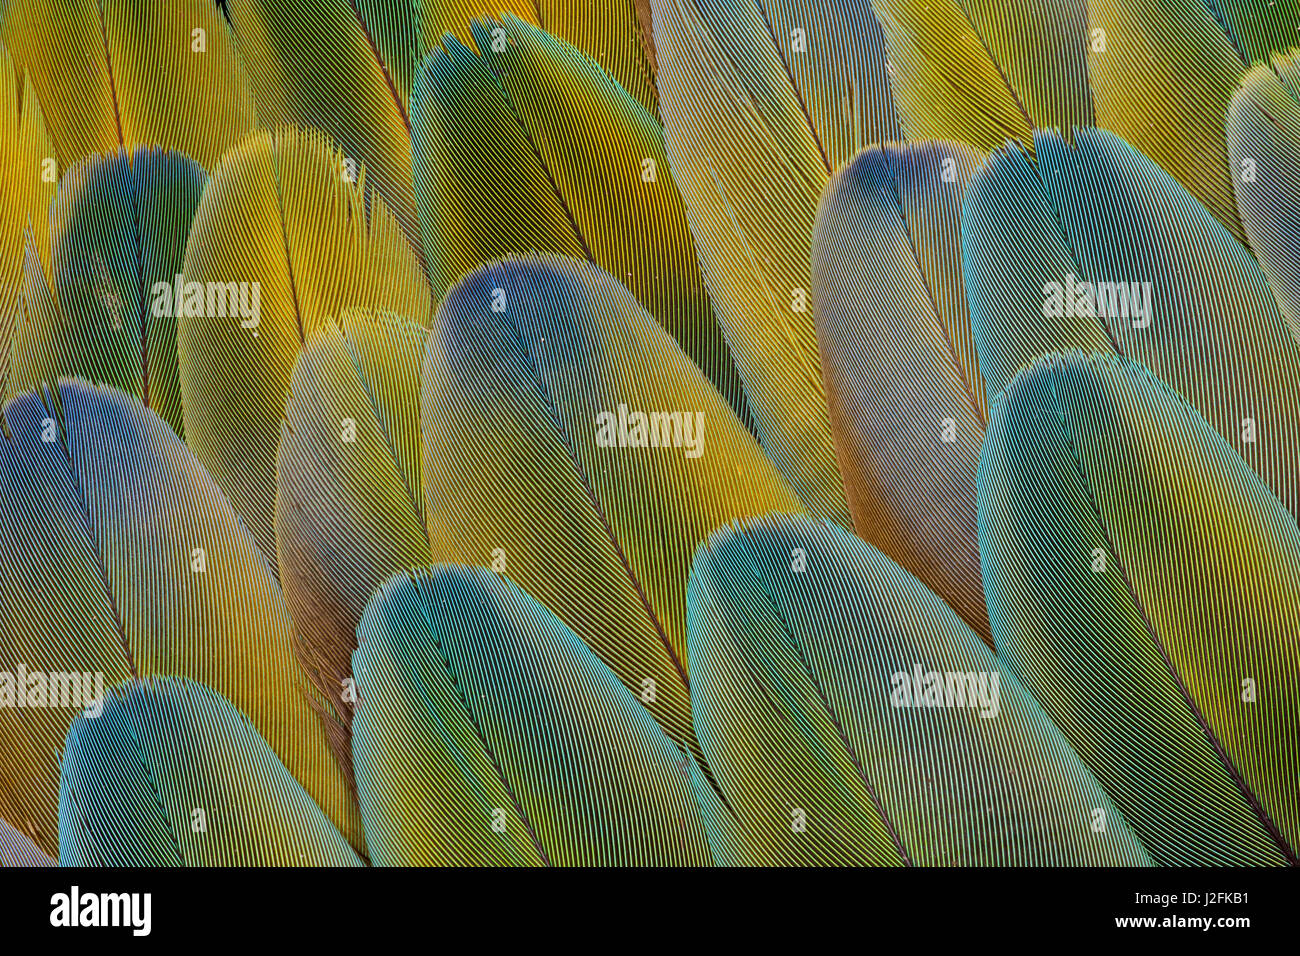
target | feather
[
  {"x": 534, "y": 463},
  {"x": 1162, "y": 74},
  {"x": 1144, "y": 585},
  {"x": 1264, "y": 151},
  {"x": 1189, "y": 302},
  {"x": 906, "y": 399},
  {"x": 316, "y": 66},
  {"x": 1041, "y": 47},
  {"x": 751, "y": 164},
  {"x": 155, "y": 575},
  {"x": 350, "y": 509},
  {"x": 533, "y": 149},
  {"x": 610, "y": 32},
  {"x": 1258, "y": 28},
  {"x": 172, "y": 774},
  {"x": 278, "y": 216},
  {"x": 30, "y": 178},
  {"x": 118, "y": 230},
  {"x": 945, "y": 84},
  {"x": 804, "y": 641},
  {"x": 486, "y": 732},
  {"x": 17, "y": 850},
  {"x": 95, "y": 64}
]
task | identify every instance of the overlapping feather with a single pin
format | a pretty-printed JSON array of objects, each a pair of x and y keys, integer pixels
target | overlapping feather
[
  {"x": 801, "y": 637},
  {"x": 1144, "y": 584},
  {"x": 903, "y": 385},
  {"x": 156, "y": 575},
  {"x": 488, "y": 733}
]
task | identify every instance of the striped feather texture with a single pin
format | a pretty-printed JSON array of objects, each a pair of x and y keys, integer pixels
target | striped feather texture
[
  {"x": 533, "y": 373},
  {"x": 1144, "y": 585},
  {"x": 118, "y": 228},
  {"x": 156, "y": 576},
  {"x": 531, "y": 148},
  {"x": 802, "y": 638},
  {"x": 905, "y": 394},
  {"x": 751, "y": 164},
  {"x": 281, "y": 220},
  {"x": 1263, "y": 131},
  {"x": 349, "y": 512},
  {"x": 945, "y": 83},
  {"x": 1173, "y": 290},
  {"x": 487, "y": 733},
  {"x": 17, "y": 850},
  {"x": 1041, "y": 48},
  {"x": 1162, "y": 74},
  {"x": 172, "y": 774},
  {"x": 1259, "y": 29},
  {"x": 316, "y": 66},
  {"x": 27, "y": 186},
  {"x": 118, "y": 74}
]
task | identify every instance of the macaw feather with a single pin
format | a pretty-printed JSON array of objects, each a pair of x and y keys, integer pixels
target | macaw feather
[
  {"x": 172, "y": 774},
  {"x": 903, "y": 386},
  {"x": 1101, "y": 250},
  {"x": 1259, "y": 29},
  {"x": 487, "y": 733},
  {"x": 1162, "y": 74},
  {"x": 279, "y": 220},
  {"x": 350, "y": 508},
  {"x": 829, "y": 746},
  {"x": 751, "y": 164},
  {"x": 17, "y": 850},
  {"x": 119, "y": 226},
  {"x": 1144, "y": 585},
  {"x": 944, "y": 81},
  {"x": 587, "y": 172},
  {"x": 1041, "y": 47},
  {"x": 157, "y": 576},
  {"x": 96, "y": 64},
  {"x": 570, "y": 444},
  {"x": 1263, "y": 133}
]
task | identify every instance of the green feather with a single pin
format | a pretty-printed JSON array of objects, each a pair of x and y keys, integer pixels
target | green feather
[
  {"x": 802, "y": 638},
  {"x": 171, "y": 774},
  {"x": 486, "y": 732},
  {"x": 1144, "y": 585}
]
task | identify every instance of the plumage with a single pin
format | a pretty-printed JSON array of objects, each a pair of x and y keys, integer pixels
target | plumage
[
  {"x": 903, "y": 386},
  {"x": 30, "y": 178},
  {"x": 945, "y": 84},
  {"x": 1134, "y": 265},
  {"x": 1162, "y": 75},
  {"x": 155, "y": 575},
  {"x": 1144, "y": 585},
  {"x": 171, "y": 774},
  {"x": 535, "y": 375},
  {"x": 119, "y": 226},
  {"x": 1258, "y": 29},
  {"x": 487, "y": 733},
  {"x": 119, "y": 74},
  {"x": 585, "y": 174},
  {"x": 349, "y": 508},
  {"x": 751, "y": 164},
  {"x": 281, "y": 218},
  {"x": 1263, "y": 131},
  {"x": 17, "y": 850},
  {"x": 802, "y": 637},
  {"x": 649, "y": 432}
]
